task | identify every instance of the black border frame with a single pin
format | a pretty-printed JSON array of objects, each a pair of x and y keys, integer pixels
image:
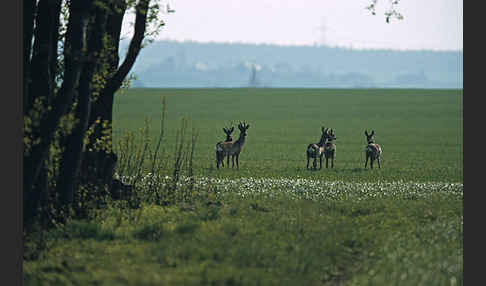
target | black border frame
[{"x": 12, "y": 146}]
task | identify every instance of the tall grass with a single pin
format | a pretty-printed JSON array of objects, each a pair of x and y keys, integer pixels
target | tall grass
[{"x": 141, "y": 162}]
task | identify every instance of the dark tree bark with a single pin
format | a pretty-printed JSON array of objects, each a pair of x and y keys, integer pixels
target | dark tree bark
[
  {"x": 98, "y": 166},
  {"x": 29, "y": 11},
  {"x": 83, "y": 57},
  {"x": 73, "y": 152},
  {"x": 44, "y": 52},
  {"x": 133, "y": 50},
  {"x": 101, "y": 164},
  {"x": 74, "y": 56},
  {"x": 40, "y": 75}
]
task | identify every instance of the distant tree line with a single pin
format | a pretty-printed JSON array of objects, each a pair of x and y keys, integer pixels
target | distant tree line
[{"x": 179, "y": 64}]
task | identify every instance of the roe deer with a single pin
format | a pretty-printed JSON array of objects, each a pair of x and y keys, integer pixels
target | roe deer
[
  {"x": 234, "y": 148},
  {"x": 330, "y": 148},
  {"x": 220, "y": 150},
  {"x": 317, "y": 150},
  {"x": 372, "y": 150}
]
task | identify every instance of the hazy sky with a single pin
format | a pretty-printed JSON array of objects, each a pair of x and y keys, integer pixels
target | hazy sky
[{"x": 427, "y": 24}]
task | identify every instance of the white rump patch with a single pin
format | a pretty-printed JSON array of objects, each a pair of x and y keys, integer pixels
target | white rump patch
[
  {"x": 218, "y": 148},
  {"x": 374, "y": 148}
]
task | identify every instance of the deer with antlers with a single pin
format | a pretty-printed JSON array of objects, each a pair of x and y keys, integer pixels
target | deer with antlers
[
  {"x": 232, "y": 149},
  {"x": 373, "y": 151},
  {"x": 222, "y": 146},
  {"x": 316, "y": 150},
  {"x": 330, "y": 147}
]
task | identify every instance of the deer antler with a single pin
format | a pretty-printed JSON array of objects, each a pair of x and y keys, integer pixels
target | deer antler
[
  {"x": 243, "y": 126},
  {"x": 228, "y": 130}
]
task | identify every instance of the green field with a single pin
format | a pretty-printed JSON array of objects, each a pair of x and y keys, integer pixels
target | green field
[
  {"x": 420, "y": 131},
  {"x": 273, "y": 222}
]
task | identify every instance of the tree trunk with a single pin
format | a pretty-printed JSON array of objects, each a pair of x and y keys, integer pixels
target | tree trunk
[
  {"x": 29, "y": 11},
  {"x": 44, "y": 52},
  {"x": 102, "y": 164},
  {"x": 97, "y": 163},
  {"x": 74, "y": 56},
  {"x": 73, "y": 153},
  {"x": 40, "y": 75}
]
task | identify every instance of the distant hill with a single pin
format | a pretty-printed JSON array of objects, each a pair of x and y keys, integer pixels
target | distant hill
[{"x": 192, "y": 64}]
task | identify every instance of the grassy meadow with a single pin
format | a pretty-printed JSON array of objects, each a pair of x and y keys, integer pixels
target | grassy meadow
[
  {"x": 420, "y": 131},
  {"x": 273, "y": 222}
]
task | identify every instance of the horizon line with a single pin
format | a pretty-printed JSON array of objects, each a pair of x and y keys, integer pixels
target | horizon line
[{"x": 314, "y": 45}]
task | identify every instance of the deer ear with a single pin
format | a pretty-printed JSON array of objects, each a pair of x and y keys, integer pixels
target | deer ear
[
  {"x": 366, "y": 133},
  {"x": 247, "y": 126},
  {"x": 224, "y": 130},
  {"x": 372, "y": 132},
  {"x": 231, "y": 130}
]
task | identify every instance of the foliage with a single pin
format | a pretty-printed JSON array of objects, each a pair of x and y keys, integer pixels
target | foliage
[
  {"x": 71, "y": 73},
  {"x": 260, "y": 240},
  {"x": 391, "y": 12}
]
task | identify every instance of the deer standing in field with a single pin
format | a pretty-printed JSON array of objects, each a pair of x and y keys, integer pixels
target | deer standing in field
[
  {"x": 315, "y": 150},
  {"x": 220, "y": 149},
  {"x": 330, "y": 148},
  {"x": 234, "y": 148},
  {"x": 372, "y": 150}
]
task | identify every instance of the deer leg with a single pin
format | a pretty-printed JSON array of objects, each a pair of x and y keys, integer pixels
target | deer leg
[
  {"x": 378, "y": 160},
  {"x": 307, "y": 161},
  {"x": 227, "y": 160},
  {"x": 371, "y": 162},
  {"x": 237, "y": 161},
  {"x": 320, "y": 162},
  {"x": 219, "y": 159},
  {"x": 314, "y": 164},
  {"x": 366, "y": 160},
  {"x": 232, "y": 161}
]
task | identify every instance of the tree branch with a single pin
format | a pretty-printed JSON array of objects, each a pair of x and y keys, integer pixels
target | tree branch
[{"x": 133, "y": 50}]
